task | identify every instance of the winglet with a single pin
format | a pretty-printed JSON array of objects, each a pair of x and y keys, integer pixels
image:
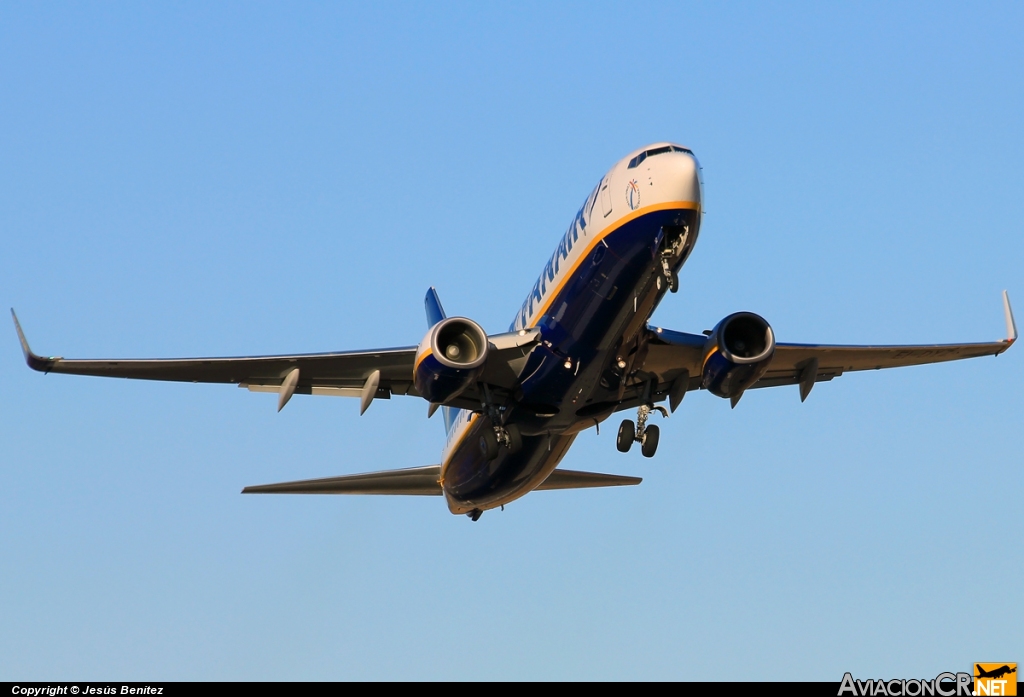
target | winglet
[
  {"x": 34, "y": 361},
  {"x": 1011, "y": 325}
]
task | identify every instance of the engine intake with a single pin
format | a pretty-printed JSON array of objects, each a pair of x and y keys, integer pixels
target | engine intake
[
  {"x": 449, "y": 359},
  {"x": 737, "y": 354}
]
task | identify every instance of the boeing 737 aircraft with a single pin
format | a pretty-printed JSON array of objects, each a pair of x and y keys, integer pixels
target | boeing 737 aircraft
[{"x": 579, "y": 349}]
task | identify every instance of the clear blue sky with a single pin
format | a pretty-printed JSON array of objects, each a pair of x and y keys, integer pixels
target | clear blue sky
[{"x": 187, "y": 179}]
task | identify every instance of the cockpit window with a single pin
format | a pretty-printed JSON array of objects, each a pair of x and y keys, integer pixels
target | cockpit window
[{"x": 656, "y": 151}]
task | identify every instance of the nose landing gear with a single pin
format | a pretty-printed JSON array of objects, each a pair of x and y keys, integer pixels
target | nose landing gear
[
  {"x": 646, "y": 436},
  {"x": 671, "y": 277},
  {"x": 672, "y": 252}
]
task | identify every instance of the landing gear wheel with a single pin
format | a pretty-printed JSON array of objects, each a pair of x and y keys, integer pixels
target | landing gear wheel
[
  {"x": 650, "y": 442},
  {"x": 626, "y": 436},
  {"x": 673, "y": 282},
  {"x": 515, "y": 439},
  {"x": 488, "y": 444},
  {"x": 475, "y": 514}
]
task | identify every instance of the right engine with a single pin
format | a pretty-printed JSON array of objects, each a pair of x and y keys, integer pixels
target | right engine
[
  {"x": 737, "y": 354},
  {"x": 449, "y": 359}
]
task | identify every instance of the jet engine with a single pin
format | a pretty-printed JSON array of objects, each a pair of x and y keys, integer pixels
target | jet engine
[
  {"x": 449, "y": 359},
  {"x": 737, "y": 354}
]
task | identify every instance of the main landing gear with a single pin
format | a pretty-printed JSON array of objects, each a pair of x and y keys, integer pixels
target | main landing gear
[
  {"x": 497, "y": 434},
  {"x": 646, "y": 436}
]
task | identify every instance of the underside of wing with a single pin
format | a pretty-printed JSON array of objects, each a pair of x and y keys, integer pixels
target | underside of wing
[
  {"x": 373, "y": 374},
  {"x": 806, "y": 364},
  {"x": 569, "y": 479},
  {"x": 416, "y": 481},
  {"x": 791, "y": 361},
  {"x": 341, "y": 373},
  {"x": 671, "y": 355}
]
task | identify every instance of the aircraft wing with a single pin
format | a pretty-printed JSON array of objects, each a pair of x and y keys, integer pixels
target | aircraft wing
[
  {"x": 424, "y": 481},
  {"x": 344, "y": 374},
  {"x": 805, "y": 364},
  {"x": 670, "y": 353},
  {"x": 791, "y": 360},
  {"x": 368, "y": 375}
]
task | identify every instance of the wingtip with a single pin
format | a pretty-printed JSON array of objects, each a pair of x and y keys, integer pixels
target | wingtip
[
  {"x": 34, "y": 361},
  {"x": 21, "y": 335},
  {"x": 1011, "y": 324}
]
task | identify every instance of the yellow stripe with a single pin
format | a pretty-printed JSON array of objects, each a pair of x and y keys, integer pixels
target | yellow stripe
[
  {"x": 420, "y": 359},
  {"x": 670, "y": 205},
  {"x": 473, "y": 416},
  {"x": 708, "y": 356},
  {"x": 667, "y": 206}
]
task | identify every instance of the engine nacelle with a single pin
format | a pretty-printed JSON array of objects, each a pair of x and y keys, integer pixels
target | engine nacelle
[
  {"x": 449, "y": 359},
  {"x": 737, "y": 354}
]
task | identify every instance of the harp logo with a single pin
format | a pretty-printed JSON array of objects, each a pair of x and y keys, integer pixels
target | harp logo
[
  {"x": 633, "y": 194},
  {"x": 995, "y": 679}
]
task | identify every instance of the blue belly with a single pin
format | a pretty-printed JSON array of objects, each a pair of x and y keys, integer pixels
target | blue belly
[{"x": 581, "y": 325}]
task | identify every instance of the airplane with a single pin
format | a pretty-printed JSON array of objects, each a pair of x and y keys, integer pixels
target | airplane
[
  {"x": 996, "y": 673},
  {"x": 579, "y": 349}
]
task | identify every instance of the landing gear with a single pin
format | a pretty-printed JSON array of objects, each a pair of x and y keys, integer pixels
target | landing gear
[
  {"x": 626, "y": 436},
  {"x": 497, "y": 434},
  {"x": 672, "y": 252},
  {"x": 646, "y": 436},
  {"x": 513, "y": 439},
  {"x": 649, "y": 444},
  {"x": 475, "y": 514},
  {"x": 489, "y": 444},
  {"x": 671, "y": 277}
]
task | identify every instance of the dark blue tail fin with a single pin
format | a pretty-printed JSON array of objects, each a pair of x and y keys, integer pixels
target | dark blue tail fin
[{"x": 435, "y": 313}]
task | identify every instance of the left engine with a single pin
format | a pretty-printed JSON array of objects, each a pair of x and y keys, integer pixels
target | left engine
[
  {"x": 737, "y": 354},
  {"x": 449, "y": 359}
]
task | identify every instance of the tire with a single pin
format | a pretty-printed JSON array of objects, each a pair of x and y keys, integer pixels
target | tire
[
  {"x": 488, "y": 443},
  {"x": 515, "y": 439},
  {"x": 650, "y": 444},
  {"x": 673, "y": 282},
  {"x": 624, "y": 441}
]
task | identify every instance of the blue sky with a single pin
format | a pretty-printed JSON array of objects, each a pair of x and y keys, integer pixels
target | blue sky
[{"x": 188, "y": 179}]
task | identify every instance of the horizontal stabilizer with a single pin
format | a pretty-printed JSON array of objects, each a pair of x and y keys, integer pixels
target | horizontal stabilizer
[
  {"x": 416, "y": 481},
  {"x": 423, "y": 481},
  {"x": 569, "y": 479}
]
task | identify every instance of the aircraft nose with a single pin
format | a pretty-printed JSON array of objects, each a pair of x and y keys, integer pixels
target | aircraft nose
[{"x": 686, "y": 178}]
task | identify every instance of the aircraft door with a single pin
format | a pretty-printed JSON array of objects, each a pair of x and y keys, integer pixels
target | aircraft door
[{"x": 606, "y": 199}]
